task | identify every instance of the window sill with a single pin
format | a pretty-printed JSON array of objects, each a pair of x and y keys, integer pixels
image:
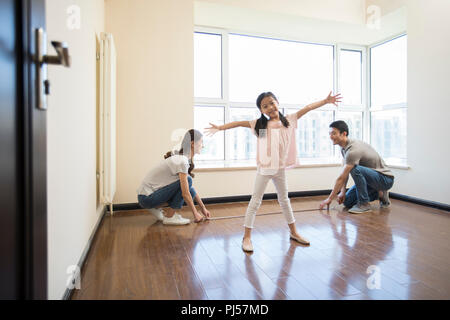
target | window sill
[
  {"x": 399, "y": 166},
  {"x": 211, "y": 166},
  {"x": 397, "y": 163}
]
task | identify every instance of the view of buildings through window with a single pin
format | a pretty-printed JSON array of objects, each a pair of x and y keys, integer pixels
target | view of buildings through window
[
  {"x": 298, "y": 73},
  {"x": 388, "y": 103}
]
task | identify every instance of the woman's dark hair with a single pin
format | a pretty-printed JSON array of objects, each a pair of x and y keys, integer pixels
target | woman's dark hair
[
  {"x": 340, "y": 125},
  {"x": 190, "y": 136},
  {"x": 261, "y": 123}
]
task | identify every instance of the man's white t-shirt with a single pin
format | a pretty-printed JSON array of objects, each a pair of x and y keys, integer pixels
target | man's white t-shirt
[{"x": 165, "y": 173}]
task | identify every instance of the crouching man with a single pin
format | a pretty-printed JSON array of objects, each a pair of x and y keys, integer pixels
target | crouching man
[{"x": 372, "y": 177}]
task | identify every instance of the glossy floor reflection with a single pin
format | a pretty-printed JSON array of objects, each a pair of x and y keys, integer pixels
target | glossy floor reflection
[{"x": 398, "y": 253}]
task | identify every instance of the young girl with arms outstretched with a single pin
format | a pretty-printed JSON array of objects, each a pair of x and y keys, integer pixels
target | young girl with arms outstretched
[{"x": 276, "y": 151}]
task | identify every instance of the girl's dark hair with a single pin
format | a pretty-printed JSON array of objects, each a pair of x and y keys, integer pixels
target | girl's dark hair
[
  {"x": 261, "y": 123},
  {"x": 190, "y": 136}
]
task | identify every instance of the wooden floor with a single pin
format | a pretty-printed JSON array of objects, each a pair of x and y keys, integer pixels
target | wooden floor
[{"x": 135, "y": 257}]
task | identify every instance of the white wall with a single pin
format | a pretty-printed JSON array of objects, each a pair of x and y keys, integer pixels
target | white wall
[
  {"x": 71, "y": 139},
  {"x": 241, "y": 182},
  {"x": 155, "y": 85},
  {"x": 154, "y": 44},
  {"x": 428, "y": 102}
]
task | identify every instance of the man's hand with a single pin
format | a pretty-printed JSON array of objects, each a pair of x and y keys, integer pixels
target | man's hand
[
  {"x": 206, "y": 213},
  {"x": 324, "y": 203},
  {"x": 198, "y": 217},
  {"x": 341, "y": 197}
]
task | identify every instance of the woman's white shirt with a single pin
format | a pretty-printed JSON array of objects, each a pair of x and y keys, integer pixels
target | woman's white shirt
[{"x": 165, "y": 173}]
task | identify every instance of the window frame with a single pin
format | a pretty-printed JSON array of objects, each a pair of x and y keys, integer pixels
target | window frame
[
  {"x": 394, "y": 106},
  {"x": 365, "y": 106},
  {"x": 224, "y": 68}
]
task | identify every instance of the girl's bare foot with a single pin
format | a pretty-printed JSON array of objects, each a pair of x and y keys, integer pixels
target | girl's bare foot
[
  {"x": 295, "y": 236},
  {"x": 247, "y": 245}
]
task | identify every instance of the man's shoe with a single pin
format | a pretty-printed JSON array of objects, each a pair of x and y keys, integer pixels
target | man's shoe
[
  {"x": 384, "y": 200},
  {"x": 360, "y": 208},
  {"x": 158, "y": 213},
  {"x": 176, "y": 219}
]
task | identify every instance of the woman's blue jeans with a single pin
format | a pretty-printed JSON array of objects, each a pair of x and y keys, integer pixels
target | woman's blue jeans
[
  {"x": 367, "y": 184},
  {"x": 171, "y": 194}
]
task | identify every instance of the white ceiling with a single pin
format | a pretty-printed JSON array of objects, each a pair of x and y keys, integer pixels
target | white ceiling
[
  {"x": 349, "y": 11},
  {"x": 345, "y": 21}
]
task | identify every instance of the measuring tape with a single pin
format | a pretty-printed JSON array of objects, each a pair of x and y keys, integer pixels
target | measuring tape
[{"x": 261, "y": 214}]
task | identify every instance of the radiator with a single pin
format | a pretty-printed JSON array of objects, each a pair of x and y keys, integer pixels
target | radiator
[{"x": 107, "y": 119}]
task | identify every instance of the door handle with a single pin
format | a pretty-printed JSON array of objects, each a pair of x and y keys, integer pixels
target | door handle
[
  {"x": 41, "y": 62},
  {"x": 63, "y": 54}
]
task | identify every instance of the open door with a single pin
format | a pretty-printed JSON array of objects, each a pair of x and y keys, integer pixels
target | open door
[
  {"x": 11, "y": 165},
  {"x": 23, "y": 145}
]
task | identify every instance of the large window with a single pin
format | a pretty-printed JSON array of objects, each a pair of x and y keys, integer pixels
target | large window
[
  {"x": 388, "y": 105},
  {"x": 213, "y": 146},
  {"x": 351, "y": 84},
  {"x": 354, "y": 120},
  {"x": 231, "y": 70},
  {"x": 389, "y": 134},
  {"x": 241, "y": 141},
  {"x": 298, "y": 73},
  {"x": 313, "y": 141},
  {"x": 207, "y": 65},
  {"x": 350, "y": 76}
]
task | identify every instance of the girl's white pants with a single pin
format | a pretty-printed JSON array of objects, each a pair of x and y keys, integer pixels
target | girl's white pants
[{"x": 279, "y": 180}]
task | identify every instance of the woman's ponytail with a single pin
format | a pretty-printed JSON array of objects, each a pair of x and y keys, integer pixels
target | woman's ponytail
[
  {"x": 190, "y": 136},
  {"x": 168, "y": 155}
]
